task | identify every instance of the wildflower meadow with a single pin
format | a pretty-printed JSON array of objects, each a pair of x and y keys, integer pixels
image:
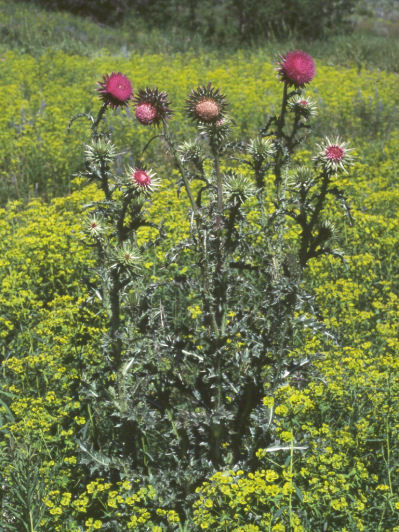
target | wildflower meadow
[{"x": 199, "y": 290}]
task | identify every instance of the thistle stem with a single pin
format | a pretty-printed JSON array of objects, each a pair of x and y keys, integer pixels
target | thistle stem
[
  {"x": 115, "y": 319},
  {"x": 182, "y": 171},
  {"x": 281, "y": 119},
  {"x": 200, "y": 232},
  {"x": 218, "y": 175},
  {"x": 220, "y": 290},
  {"x": 280, "y": 138},
  {"x": 98, "y": 119}
]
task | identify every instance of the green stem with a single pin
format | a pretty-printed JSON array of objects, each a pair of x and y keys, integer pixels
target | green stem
[
  {"x": 281, "y": 119},
  {"x": 98, "y": 120},
  {"x": 279, "y": 135},
  {"x": 291, "y": 473},
  {"x": 320, "y": 200},
  {"x": 388, "y": 457},
  {"x": 219, "y": 186},
  {"x": 115, "y": 320},
  {"x": 220, "y": 290},
  {"x": 182, "y": 171},
  {"x": 307, "y": 228},
  {"x": 31, "y": 521},
  {"x": 200, "y": 231}
]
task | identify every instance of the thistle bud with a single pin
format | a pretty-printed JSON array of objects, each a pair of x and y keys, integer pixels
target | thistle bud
[
  {"x": 261, "y": 148},
  {"x": 100, "y": 151},
  {"x": 334, "y": 156},
  {"x": 237, "y": 187}
]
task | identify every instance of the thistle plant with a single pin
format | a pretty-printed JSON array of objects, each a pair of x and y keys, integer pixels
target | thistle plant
[
  {"x": 112, "y": 223},
  {"x": 189, "y": 357}
]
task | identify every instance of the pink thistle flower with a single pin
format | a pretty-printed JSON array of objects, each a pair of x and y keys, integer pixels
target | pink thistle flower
[
  {"x": 115, "y": 89},
  {"x": 206, "y": 105},
  {"x": 334, "y": 155},
  {"x": 207, "y": 111},
  {"x": 142, "y": 180},
  {"x": 152, "y": 106},
  {"x": 146, "y": 113},
  {"x": 296, "y": 68}
]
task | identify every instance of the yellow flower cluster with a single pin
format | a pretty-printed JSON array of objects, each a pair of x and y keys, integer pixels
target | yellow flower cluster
[{"x": 132, "y": 506}]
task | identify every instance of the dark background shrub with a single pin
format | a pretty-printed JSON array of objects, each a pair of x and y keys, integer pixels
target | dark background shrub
[{"x": 246, "y": 20}]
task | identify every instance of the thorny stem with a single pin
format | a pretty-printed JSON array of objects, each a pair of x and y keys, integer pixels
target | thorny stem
[
  {"x": 180, "y": 166},
  {"x": 115, "y": 320},
  {"x": 320, "y": 201},
  {"x": 220, "y": 290},
  {"x": 200, "y": 231},
  {"x": 98, "y": 120},
  {"x": 307, "y": 228},
  {"x": 279, "y": 134},
  {"x": 281, "y": 119},
  {"x": 215, "y": 155}
]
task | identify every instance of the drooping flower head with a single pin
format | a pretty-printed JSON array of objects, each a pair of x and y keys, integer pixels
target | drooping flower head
[
  {"x": 206, "y": 104},
  {"x": 296, "y": 68},
  {"x": 143, "y": 181},
  {"x": 115, "y": 89},
  {"x": 334, "y": 155},
  {"x": 152, "y": 106},
  {"x": 304, "y": 106}
]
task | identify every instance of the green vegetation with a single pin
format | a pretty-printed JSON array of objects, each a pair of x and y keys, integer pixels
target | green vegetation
[
  {"x": 221, "y": 21},
  {"x": 83, "y": 444}
]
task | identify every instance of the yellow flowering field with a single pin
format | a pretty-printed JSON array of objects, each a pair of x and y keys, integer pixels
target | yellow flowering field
[{"x": 336, "y": 466}]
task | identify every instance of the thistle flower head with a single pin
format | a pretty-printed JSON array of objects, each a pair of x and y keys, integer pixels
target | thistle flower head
[
  {"x": 327, "y": 231},
  {"x": 100, "y": 151},
  {"x": 296, "y": 68},
  {"x": 219, "y": 130},
  {"x": 115, "y": 89},
  {"x": 237, "y": 187},
  {"x": 301, "y": 179},
  {"x": 152, "y": 106},
  {"x": 304, "y": 106},
  {"x": 206, "y": 104},
  {"x": 190, "y": 151},
  {"x": 334, "y": 155},
  {"x": 94, "y": 226},
  {"x": 304, "y": 174},
  {"x": 143, "y": 181},
  {"x": 127, "y": 256},
  {"x": 261, "y": 148}
]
